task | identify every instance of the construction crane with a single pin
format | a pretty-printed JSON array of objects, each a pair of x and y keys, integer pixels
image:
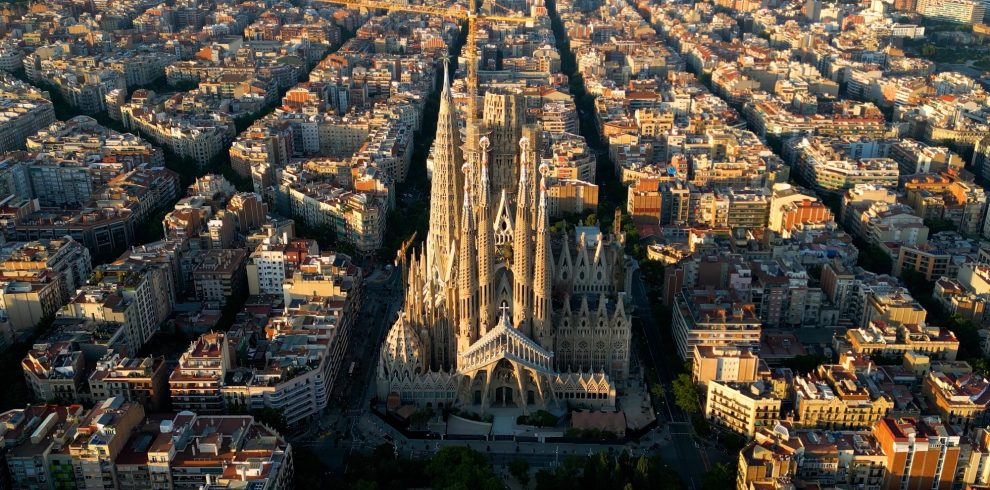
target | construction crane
[{"x": 454, "y": 12}]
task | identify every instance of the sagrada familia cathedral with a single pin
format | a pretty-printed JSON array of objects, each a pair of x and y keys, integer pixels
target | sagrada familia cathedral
[{"x": 498, "y": 311}]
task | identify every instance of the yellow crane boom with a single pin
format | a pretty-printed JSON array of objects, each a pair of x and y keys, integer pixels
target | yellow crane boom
[{"x": 455, "y": 12}]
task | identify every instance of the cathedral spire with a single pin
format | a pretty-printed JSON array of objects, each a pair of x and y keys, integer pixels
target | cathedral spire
[
  {"x": 446, "y": 77},
  {"x": 445, "y": 192},
  {"x": 543, "y": 271},
  {"x": 522, "y": 257},
  {"x": 467, "y": 272},
  {"x": 486, "y": 248},
  {"x": 413, "y": 306}
]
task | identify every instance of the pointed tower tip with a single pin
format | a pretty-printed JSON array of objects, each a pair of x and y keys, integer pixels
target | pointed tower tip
[
  {"x": 467, "y": 169},
  {"x": 544, "y": 170},
  {"x": 446, "y": 77}
]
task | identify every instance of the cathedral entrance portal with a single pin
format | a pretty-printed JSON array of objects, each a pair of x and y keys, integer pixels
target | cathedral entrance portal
[
  {"x": 503, "y": 396},
  {"x": 504, "y": 384}
]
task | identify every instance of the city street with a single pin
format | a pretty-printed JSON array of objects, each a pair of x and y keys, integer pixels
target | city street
[
  {"x": 353, "y": 392},
  {"x": 682, "y": 451}
]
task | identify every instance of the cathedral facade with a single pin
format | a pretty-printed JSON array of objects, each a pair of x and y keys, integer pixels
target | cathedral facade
[{"x": 500, "y": 312}]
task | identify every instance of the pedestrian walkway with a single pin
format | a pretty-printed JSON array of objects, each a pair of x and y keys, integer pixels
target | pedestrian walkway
[
  {"x": 464, "y": 427},
  {"x": 504, "y": 424}
]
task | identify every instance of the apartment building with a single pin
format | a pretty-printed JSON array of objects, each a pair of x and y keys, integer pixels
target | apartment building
[
  {"x": 835, "y": 165},
  {"x": 23, "y": 111},
  {"x": 67, "y": 258},
  {"x": 981, "y": 157},
  {"x": 82, "y": 81},
  {"x": 296, "y": 385},
  {"x": 878, "y": 338},
  {"x": 55, "y": 371},
  {"x": 890, "y": 226},
  {"x": 915, "y": 157},
  {"x": 197, "y": 451},
  {"x": 834, "y": 397},
  {"x": 220, "y": 276},
  {"x": 327, "y": 275},
  {"x": 772, "y": 456},
  {"x": 742, "y": 408},
  {"x": 783, "y": 457},
  {"x": 724, "y": 364},
  {"x": 957, "y": 11},
  {"x": 275, "y": 260},
  {"x": 792, "y": 207},
  {"x": 644, "y": 200},
  {"x": 198, "y": 137},
  {"x": 101, "y": 230},
  {"x": 357, "y": 218},
  {"x": 945, "y": 197},
  {"x": 784, "y": 294},
  {"x": 195, "y": 383},
  {"x": 249, "y": 210},
  {"x": 87, "y": 458},
  {"x": 858, "y": 200},
  {"x": 841, "y": 459},
  {"x": 928, "y": 260},
  {"x": 966, "y": 294},
  {"x": 559, "y": 117},
  {"x": 267, "y": 142},
  {"x": 571, "y": 158},
  {"x": 26, "y": 297},
  {"x": 31, "y": 436},
  {"x": 570, "y": 196},
  {"x": 893, "y": 307},
  {"x": 921, "y": 453},
  {"x": 137, "y": 295},
  {"x": 144, "y": 191},
  {"x": 977, "y": 467},
  {"x": 142, "y": 381},
  {"x": 749, "y": 208},
  {"x": 715, "y": 318},
  {"x": 83, "y": 135},
  {"x": 117, "y": 445},
  {"x": 323, "y": 297},
  {"x": 961, "y": 399}
]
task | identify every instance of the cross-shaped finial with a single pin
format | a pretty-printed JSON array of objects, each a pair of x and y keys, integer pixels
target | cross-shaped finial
[{"x": 505, "y": 310}]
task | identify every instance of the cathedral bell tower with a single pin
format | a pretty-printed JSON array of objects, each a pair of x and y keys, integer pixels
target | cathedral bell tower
[
  {"x": 485, "y": 246},
  {"x": 522, "y": 249},
  {"x": 467, "y": 272},
  {"x": 543, "y": 271}
]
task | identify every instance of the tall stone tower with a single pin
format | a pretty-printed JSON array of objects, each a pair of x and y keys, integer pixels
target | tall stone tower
[
  {"x": 445, "y": 192},
  {"x": 467, "y": 273},
  {"x": 522, "y": 252},
  {"x": 485, "y": 246},
  {"x": 543, "y": 272},
  {"x": 533, "y": 134},
  {"x": 503, "y": 117}
]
